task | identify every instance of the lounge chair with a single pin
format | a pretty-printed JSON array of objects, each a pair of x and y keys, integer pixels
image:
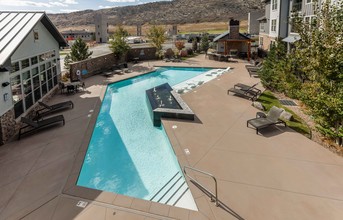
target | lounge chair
[
  {"x": 253, "y": 72},
  {"x": 36, "y": 125},
  {"x": 259, "y": 65},
  {"x": 244, "y": 87},
  {"x": 249, "y": 93},
  {"x": 47, "y": 109},
  {"x": 265, "y": 120}
]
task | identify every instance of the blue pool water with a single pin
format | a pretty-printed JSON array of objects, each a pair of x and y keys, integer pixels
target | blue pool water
[{"x": 127, "y": 154}]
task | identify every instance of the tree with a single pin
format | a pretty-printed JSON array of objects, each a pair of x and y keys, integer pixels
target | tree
[
  {"x": 204, "y": 43},
  {"x": 118, "y": 44},
  {"x": 319, "y": 55},
  {"x": 272, "y": 73},
  {"x": 67, "y": 61},
  {"x": 179, "y": 44},
  {"x": 157, "y": 37},
  {"x": 79, "y": 51},
  {"x": 194, "y": 44}
]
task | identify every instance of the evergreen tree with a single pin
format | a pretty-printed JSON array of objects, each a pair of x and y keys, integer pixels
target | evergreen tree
[
  {"x": 273, "y": 70},
  {"x": 204, "y": 43},
  {"x": 67, "y": 61},
  {"x": 194, "y": 44},
  {"x": 118, "y": 45},
  {"x": 79, "y": 51}
]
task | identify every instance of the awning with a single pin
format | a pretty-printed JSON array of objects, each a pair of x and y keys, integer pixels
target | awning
[
  {"x": 262, "y": 18},
  {"x": 291, "y": 39}
]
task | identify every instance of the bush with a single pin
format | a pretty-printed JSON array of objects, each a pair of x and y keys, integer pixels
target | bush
[
  {"x": 190, "y": 51},
  {"x": 169, "y": 53}
]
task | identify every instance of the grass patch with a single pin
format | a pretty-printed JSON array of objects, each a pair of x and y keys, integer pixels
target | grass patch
[{"x": 268, "y": 100}]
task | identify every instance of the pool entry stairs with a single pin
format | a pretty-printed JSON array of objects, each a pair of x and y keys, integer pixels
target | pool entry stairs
[{"x": 172, "y": 191}]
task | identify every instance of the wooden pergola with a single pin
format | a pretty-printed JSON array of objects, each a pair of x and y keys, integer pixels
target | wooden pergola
[{"x": 227, "y": 47}]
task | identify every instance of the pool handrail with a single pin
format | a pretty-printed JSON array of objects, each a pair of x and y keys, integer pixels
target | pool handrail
[{"x": 208, "y": 174}]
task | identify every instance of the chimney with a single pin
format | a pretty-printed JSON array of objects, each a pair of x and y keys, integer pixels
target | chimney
[{"x": 234, "y": 29}]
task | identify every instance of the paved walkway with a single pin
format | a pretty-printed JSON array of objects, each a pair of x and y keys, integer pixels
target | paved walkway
[{"x": 278, "y": 174}]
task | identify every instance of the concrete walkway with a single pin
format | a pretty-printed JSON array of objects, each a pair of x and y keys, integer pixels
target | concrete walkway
[{"x": 278, "y": 174}]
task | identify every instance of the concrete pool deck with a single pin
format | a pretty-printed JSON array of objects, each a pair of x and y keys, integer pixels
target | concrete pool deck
[{"x": 279, "y": 174}]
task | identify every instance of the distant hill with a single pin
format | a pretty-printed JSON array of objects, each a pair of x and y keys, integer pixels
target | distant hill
[{"x": 165, "y": 12}]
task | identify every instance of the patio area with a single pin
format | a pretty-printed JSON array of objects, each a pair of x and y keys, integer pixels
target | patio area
[{"x": 278, "y": 174}]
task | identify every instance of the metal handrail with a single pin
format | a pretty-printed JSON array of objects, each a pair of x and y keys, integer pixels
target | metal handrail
[{"x": 208, "y": 174}]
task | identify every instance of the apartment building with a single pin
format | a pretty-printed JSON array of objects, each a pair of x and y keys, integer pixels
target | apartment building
[{"x": 276, "y": 21}]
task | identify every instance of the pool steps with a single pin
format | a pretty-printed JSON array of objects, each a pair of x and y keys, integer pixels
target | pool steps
[{"x": 172, "y": 191}]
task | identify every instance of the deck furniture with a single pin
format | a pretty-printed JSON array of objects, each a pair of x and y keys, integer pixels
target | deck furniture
[
  {"x": 247, "y": 87},
  {"x": 245, "y": 91},
  {"x": 37, "y": 125},
  {"x": 47, "y": 109},
  {"x": 265, "y": 120}
]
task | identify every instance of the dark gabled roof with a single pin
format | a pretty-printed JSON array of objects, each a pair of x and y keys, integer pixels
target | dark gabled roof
[
  {"x": 15, "y": 26},
  {"x": 228, "y": 33}
]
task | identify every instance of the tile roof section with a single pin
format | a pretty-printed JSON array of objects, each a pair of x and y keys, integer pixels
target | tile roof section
[{"x": 15, "y": 26}]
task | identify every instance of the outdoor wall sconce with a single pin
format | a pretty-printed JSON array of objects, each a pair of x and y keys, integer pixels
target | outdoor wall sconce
[{"x": 4, "y": 84}]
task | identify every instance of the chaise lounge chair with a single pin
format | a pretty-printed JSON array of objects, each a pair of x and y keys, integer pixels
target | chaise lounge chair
[
  {"x": 248, "y": 92},
  {"x": 244, "y": 87},
  {"x": 47, "y": 109},
  {"x": 36, "y": 125},
  {"x": 265, "y": 120}
]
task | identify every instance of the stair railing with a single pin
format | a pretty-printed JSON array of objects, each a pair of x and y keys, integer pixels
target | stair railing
[{"x": 215, "y": 195}]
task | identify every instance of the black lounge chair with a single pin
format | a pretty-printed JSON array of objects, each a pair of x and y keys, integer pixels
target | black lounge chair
[
  {"x": 47, "y": 109},
  {"x": 247, "y": 87},
  {"x": 36, "y": 125},
  {"x": 249, "y": 93},
  {"x": 265, "y": 120},
  {"x": 253, "y": 72}
]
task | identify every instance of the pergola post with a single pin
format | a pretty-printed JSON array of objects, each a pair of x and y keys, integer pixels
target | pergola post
[{"x": 249, "y": 50}]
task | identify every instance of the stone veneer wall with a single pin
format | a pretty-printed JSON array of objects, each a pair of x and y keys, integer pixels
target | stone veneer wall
[
  {"x": 10, "y": 126},
  {"x": 149, "y": 53},
  {"x": 93, "y": 66},
  {"x": 105, "y": 62}
]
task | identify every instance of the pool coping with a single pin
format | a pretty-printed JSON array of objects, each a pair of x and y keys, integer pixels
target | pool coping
[{"x": 149, "y": 207}]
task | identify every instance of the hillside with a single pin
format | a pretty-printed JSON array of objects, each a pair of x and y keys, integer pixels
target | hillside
[{"x": 168, "y": 12}]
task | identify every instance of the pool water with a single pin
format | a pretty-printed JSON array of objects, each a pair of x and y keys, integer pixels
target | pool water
[{"x": 127, "y": 154}]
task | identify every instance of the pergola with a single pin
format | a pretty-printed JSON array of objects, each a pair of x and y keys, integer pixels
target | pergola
[{"x": 236, "y": 45}]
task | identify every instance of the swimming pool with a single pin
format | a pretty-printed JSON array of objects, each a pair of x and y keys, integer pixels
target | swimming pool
[{"x": 127, "y": 154}]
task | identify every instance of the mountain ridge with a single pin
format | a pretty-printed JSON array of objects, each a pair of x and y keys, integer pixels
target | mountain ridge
[{"x": 164, "y": 12}]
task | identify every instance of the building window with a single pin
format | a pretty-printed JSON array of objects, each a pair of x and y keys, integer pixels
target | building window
[
  {"x": 273, "y": 26},
  {"x": 261, "y": 41},
  {"x": 262, "y": 25},
  {"x": 17, "y": 96},
  {"x": 297, "y": 5},
  {"x": 29, "y": 83},
  {"x": 25, "y": 63},
  {"x": 35, "y": 36},
  {"x": 274, "y": 4}
]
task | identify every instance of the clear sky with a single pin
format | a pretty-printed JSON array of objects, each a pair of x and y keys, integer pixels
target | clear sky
[{"x": 65, "y": 6}]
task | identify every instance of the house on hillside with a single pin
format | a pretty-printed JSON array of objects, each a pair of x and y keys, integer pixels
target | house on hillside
[
  {"x": 234, "y": 43},
  {"x": 29, "y": 65}
]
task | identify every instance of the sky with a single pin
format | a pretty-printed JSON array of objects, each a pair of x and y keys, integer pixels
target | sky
[{"x": 65, "y": 6}]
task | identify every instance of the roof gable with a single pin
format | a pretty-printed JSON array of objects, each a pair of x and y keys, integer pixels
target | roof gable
[
  {"x": 227, "y": 34},
  {"x": 15, "y": 26}
]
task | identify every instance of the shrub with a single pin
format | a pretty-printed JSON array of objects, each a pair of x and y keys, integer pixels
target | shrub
[{"x": 190, "y": 51}]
